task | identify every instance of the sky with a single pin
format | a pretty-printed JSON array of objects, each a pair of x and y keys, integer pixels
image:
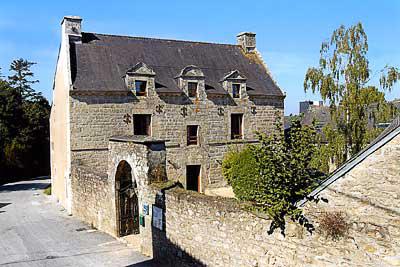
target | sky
[{"x": 289, "y": 33}]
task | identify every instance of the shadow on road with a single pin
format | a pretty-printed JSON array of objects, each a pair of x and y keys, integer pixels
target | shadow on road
[
  {"x": 149, "y": 263},
  {"x": 2, "y": 205},
  {"x": 22, "y": 187},
  {"x": 8, "y": 180}
]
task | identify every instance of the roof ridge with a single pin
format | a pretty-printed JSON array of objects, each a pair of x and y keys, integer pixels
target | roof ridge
[{"x": 160, "y": 39}]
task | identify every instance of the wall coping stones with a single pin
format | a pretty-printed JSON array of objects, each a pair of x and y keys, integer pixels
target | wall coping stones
[{"x": 225, "y": 204}]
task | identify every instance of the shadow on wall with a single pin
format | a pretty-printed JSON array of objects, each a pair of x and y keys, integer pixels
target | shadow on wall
[{"x": 166, "y": 253}]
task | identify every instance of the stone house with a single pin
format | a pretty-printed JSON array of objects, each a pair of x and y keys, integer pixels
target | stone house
[{"x": 200, "y": 98}]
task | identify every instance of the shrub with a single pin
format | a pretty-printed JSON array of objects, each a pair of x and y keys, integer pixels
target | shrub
[
  {"x": 238, "y": 169},
  {"x": 334, "y": 225},
  {"x": 276, "y": 174}
]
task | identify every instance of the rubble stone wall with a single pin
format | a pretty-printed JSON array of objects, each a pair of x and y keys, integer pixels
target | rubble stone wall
[
  {"x": 218, "y": 232},
  {"x": 92, "y": 199},
  {"x": 95, "y": 118}
]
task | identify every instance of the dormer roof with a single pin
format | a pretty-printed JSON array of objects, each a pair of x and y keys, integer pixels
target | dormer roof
[
  {"x": 234, "y": 75},
  {"x": 191, "y": 71},
  {"x": 141, "y": 69}
]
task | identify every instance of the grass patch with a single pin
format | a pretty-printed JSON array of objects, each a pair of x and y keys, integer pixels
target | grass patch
[{"x": 47, "y": 191}]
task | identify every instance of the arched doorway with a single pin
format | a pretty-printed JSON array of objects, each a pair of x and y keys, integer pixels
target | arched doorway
[{"x": 126, "y": 201}]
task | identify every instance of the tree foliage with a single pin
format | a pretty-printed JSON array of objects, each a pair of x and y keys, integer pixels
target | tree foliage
[
  {"x": 20, "y": 79},
  {"x": 276, "y": 174},
  {"x": 24, "y": 125},
  {"x": 342, "y": 79}
]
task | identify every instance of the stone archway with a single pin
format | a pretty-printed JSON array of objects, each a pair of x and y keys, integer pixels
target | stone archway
[{"x": 126, "y": 197}]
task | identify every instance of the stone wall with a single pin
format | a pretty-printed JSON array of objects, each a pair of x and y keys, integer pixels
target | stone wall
[
  {"x": 95, "y": 118},
  {"x": 218, "y": 232},
  {"x": 92, "y": 199},
  {"x": 369, "y": 195},
  {"x": 212, "y": 231}
]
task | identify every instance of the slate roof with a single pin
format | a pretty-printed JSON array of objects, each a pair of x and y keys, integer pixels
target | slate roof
[
  {"x": 320, "y": 114},
  {"x": 388, "y": 134},
  {"x": 100, "y": 62}
]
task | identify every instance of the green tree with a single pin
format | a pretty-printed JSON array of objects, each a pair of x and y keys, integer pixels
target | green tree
[
  {"x": 279, "y": 173},
  {"x": 24, "y": 125},
  {"x": 342, "y": 79},
  {"x": 11, "y": 116},
  {"x": 21, "y": 78}
]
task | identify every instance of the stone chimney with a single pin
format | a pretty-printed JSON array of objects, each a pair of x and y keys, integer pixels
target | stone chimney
[
  {"x": 71, "y": 26},
  {"x": 247, "y": 40}
]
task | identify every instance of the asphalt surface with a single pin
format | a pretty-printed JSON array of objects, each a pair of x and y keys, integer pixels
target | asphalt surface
[{"x": 36, "y": 231}]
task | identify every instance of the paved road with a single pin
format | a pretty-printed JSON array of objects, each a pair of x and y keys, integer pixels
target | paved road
[{"x": 35, "y": 231}]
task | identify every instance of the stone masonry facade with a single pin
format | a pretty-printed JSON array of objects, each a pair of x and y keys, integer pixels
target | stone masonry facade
[{"x": 96, "y": 118}]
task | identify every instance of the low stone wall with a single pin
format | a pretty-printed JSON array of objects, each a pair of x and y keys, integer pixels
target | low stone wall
[
  {"x": 92, "y": 198},
  {"x": 204, "y": 230}
]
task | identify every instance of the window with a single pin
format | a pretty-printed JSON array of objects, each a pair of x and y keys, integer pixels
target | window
[
  {"x": 192, "y": 89},
  {"x": 141, "y": 124},
  {"x": 192, "y": 135},
  {"x": 235, "y": 90},
  {"x": 193, "y": 177},
  {"x": 140, "y": 87},
  {"x": 237, "y": 126}
]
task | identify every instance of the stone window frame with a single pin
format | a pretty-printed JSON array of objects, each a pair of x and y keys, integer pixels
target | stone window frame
[
  {"x": 235, "y": 77},
  {"x": 150, "y": 126},
  {"x": 239, "y": 136},
  {"x": 145, "y": 89},
  {"x": 192, "y": 82},
  {"x": 188, "y": 142},
  {"x": 238, "y": 95},
  {"x": 140, "y": 72},
  {"x": 192, "y": 74}
]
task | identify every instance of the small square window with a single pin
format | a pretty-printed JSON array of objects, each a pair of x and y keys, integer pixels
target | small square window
[
  {"x": 237, "y": 126},
  {"x": 192, "y": 89},
  {"x": 192, "y": 135},
  {"x": 140, "y": 87},
  {"x": 235, "y": 90},
  {"x": 141, "y": 124}
]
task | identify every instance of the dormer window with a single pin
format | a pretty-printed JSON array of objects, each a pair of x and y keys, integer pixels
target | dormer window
[
  {"x": 192, "y": 82},
  {"x": 235, "y": 83},
  {"x": 140, "y": 88},
  {"x": 140, "y": 80},
  {"x": 236, "y": 90},
  {"x": 192, "y": 89}
]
